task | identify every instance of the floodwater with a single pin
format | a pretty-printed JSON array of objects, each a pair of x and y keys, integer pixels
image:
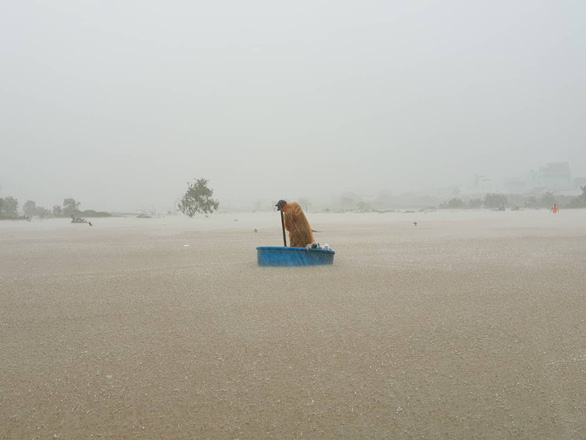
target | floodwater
[{"x": 468, "y": 325}]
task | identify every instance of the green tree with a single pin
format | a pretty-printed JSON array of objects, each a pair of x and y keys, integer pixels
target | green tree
[
  {"x": 29, "y": 208},
  {"x": 198, "y": 198},
  {"x": 9, "y": 207},
  {"x": 70, "y": 207}
]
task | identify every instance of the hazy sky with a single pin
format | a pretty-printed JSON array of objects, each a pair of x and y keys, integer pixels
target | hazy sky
[{"x": 119, "y": 103}]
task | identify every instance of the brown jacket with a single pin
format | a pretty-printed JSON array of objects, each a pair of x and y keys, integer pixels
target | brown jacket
[{"x": 300, "y": 234}]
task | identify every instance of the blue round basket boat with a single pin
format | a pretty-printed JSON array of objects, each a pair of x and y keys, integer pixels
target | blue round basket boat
[{"x": 293, "y": 256}]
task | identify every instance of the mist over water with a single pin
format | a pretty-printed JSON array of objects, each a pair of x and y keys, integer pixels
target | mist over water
[{"x": 119, "y": 105}]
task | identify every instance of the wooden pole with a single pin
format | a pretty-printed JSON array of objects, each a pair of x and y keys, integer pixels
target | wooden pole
[{"x": 283, "y": 226}]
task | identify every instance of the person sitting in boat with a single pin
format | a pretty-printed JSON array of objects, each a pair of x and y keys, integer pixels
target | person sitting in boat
[{"x": 296, "y": 223}]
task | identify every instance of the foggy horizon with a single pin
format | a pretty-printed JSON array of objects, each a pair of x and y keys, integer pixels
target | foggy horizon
[{"x": 120, "y": 105}]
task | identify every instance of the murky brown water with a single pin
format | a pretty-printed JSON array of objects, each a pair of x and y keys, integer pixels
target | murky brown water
[{"x": 470, "y": 325}]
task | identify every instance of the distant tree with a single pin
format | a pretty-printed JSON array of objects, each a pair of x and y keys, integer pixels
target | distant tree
[
  {"x": 531, "y": 203},
  {"x": 348, "y": 200},
  {"x": 582, "y": 197},
  {"x": 70, "y": 207},
  {"x": 474, "y": 203},
  {"x": 495, "y": 201},
  {"x": 580, "y": 201},
  {"x": 9, "y": 207},
  {"x": 454, "y": 203},
  {"x": 43, "y": 212},
  {"x": 93, "y": 213},
  {"x": 198, "y": 198},
  {"x": 547, "y": 200},
  {"x": 57, "y": 211},
  {"x": 29, "y": 208},
  {"x": 364, "y": 206}
]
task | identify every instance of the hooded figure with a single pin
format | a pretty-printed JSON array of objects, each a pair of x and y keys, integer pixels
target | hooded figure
[{"x": 300, "y": 234}]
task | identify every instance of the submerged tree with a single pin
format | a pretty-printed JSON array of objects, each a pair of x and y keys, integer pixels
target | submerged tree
[
  {"x": 29, "y": 208},
  {"x": 454, "y": 203},
  {"x": 582, "y": 197},
  {"x": 495, "y": 201},
  {"x": 547, "y": 199},
  {"x": 9, "y": 207},
  {"x": 70, "y": 207},
  {"x": 198, "y": 198},
  {"x": 580, "y": 201},
  {"x": 474, "y": 203},
  {"x": 57, "y": 211},
  {"x": 42, "y": 212}
]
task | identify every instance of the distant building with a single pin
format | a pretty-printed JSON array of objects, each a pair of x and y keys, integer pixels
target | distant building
[
  {"x": 553, "y": 176},
  {"x": 515, "y": 185},
  {"x": 482, "y": 183}
]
